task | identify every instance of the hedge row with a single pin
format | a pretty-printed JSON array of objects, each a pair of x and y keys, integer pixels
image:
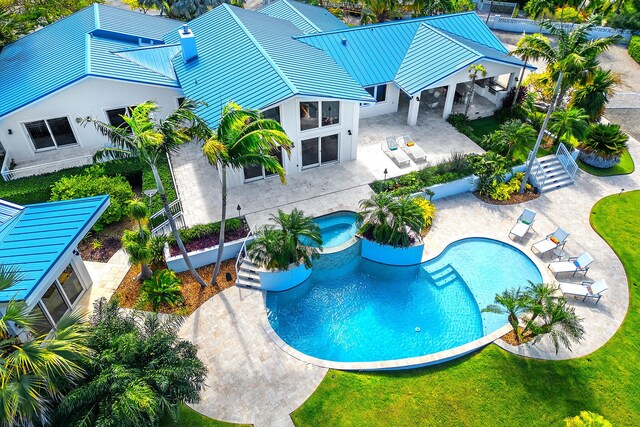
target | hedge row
[
  {"x": 199, "y": 231},
  {"x": 634, "y": 48}
]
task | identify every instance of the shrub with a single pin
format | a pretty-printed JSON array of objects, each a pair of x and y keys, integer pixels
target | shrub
[
  {"x": 626, "y": 21},
  {"x": 428, "y": 211},
  {"x": 461, "y": 123},
  {"x": 488, "y": 167},
  {"x": 634, "y": 45},
  {"x": 568, "y": 14},
  {"x": 603, "y": 145},
  {"x": 388, "y": 220},
  {"x": 94, "y": 182},
  {"x": 587, "y": 419},
  {"x": 162, "y": 287},
  {"x": 156, "y": 248},
  {"x": 199, "y": 231}
]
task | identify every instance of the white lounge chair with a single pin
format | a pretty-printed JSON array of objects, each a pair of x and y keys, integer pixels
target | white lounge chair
[
  {"x": 555, "y": 240},
  {"x": 572, "y": 265},
  {"x": 391, "y": 148},
  {"x": 585, "y": 289},
  {"x": 415, "y": 152},
  {"x": 523, "y": 224}
]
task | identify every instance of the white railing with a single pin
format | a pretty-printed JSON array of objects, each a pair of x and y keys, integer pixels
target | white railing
[
  {"x": 243, "y": 249},
  {"x": 42, "y": 168},
  {"x": 566, "y": 160},
  {"x": 160, "y": 222},
  {"x": 6, "y": 166},
  {"x": 537, "y": 174}
]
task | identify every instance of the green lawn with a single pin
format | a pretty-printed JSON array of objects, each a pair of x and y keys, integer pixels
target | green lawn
[
  {"x": 495, "y": 388},
  {"x": 625, "y": 167},
  {"x": 190, "y": 418}
]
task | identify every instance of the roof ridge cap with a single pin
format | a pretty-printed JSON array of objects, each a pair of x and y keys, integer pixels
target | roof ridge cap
[
  {"x": 155, "y": 46},
  {"x": 445, "y": 34},
  {"x": 302, "y": 15},
  {"x": 260, "y": 48}
]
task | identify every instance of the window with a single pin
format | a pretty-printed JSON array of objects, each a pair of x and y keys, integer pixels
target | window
[
  {"x": 252, "y": 173},
  {"x": 330, "y": 113},
  {"x": 272, "y": 113},
  {"x": 115, "y": 116},
  {"x": 54, "y": 303},
  {"x": 320, "y": 151},
  {"x": 180, "y": 101},
  {"x": 41, "y": 324},
  {"x": 70, "y": 284},
  {"x": 378, "y": 92},
  {"x": 308, "y": 115},
  {"x": 51, "y": 133}
]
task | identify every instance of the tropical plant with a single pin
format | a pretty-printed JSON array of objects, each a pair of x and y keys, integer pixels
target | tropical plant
[
  {"x": 374, "y": 11},
  {"x": 150, "y": 140},
  {"x": 594, "y": 92},
  {"x": 587, "y": 419},
  {"x": 163, "y": 288},
  {"x": 474, "y": 69},
  {"x": 603, "y": 145},
  {"x": 94, "y": 182},
  {"x": 428, "y": 211},
  {"x": 432, "y": 7},
  {"x": 574, "y": 54},
  {"x": 36, "y": 369},
  {"x": 243, "y": 138},
  {"x": 512, "y": 302},
  {"x": 136, "y": 243},
  {"x": 489, "y": 168},
  {"x": 185, "y": 9},
  {"x": 539, "y": 8},
  {"x": 569, "y": 125},
  {"x": 140, "y": 371},
  {"x": 388, "y": 220},
  {"x": 294, "y": 239},
  {"x": 156, "y": 250},
  {"x": 513, "y": 139}
]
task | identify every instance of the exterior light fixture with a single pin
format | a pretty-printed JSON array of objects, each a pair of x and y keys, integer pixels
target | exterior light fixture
[
  {"x": 385, "y": 173},
  {"x": 349, "y": 132},
  {"x": 238, "y": 209},
  {"x": 10, "y": 132},
  {"x": 418, "y": 98}
]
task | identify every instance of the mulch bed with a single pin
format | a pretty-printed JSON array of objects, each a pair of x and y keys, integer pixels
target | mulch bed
[
  {"x": 211, "y": 240},
  {"x": 514, "y": 200},
  {"x": 128, "y": 293},
  {"x": 102, "y": 245},
  {"x": 510, "y": 338}
]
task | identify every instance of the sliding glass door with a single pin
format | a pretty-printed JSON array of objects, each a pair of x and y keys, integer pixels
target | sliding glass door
[{"x": 320, "y": 151}]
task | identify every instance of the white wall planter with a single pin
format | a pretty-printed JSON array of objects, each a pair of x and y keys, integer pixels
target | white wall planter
[
  {"x": 203, "y": 257},
  {"x": 387, "y": 254},
  {"x": 275, "y": 280}
]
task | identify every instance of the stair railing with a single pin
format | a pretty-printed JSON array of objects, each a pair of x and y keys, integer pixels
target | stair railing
[
  {"x": 538, "y": 174},
  {"x": 243, "y": 249},
  {"x": 566, "y": 160}
]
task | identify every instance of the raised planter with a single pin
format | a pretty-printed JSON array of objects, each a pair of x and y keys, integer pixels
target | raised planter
[
  {"x": 387, "y": 254},
  {"x": 205, "y": 256},
  {"x": 592, "y": 159},
  {"x": 275, "y": 280}
]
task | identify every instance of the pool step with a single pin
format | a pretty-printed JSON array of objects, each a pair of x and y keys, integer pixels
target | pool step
[
  {"x": 248, "y": 276},
  {"x": 444, "y": 276}
]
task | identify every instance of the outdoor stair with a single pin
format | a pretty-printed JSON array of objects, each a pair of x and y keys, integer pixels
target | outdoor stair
[
  {"x": 557, "y": 175},
  {"x": 444, "y": 276},
  {"x": 248, "y": 276}
]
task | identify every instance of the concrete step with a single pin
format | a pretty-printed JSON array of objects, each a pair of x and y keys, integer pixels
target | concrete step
[
  {"x": 553, "y": 184},
  {"x": 248, "y": 265},
  {"x": 247, "y": 283},
  {"x": 248, "y": 274}
]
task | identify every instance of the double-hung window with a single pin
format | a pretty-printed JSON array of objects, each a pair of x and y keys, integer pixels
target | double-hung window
[{"x": 51, "y": 133}]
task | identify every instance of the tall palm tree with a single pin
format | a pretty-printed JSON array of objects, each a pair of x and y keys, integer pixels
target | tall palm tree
[
  {"x": 243, "y": 138},
  {"x": 151, "y": 140},
  {"x": 569, "y": 125},
  {"x": 379, "y": 10},
  {"x": 474, "y": 69},
  {"x": 560, "y": 322},
  {"x": 390, "y": 221},
  {"x": 36, "y": 372},
  {"x": 574, "y": 54},
  {"x": 512, "y": 302},
  {"x": 432, "y": 7},
  {"x": 593, "y": 94}
]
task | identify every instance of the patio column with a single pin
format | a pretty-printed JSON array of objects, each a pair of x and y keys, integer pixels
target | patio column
[
  {"x": 512, "y": 81},
  {"x": 448, "y": 103},
  {"x": 414, "y": 106}
]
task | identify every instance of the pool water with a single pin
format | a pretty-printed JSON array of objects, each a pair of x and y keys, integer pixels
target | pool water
[
  {"x": 354, "y": 310},
  {"x": 336, "y": 228}
]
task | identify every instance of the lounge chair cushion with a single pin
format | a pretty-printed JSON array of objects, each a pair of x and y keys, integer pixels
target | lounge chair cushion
[
  {"x": 524, "y": 221},
  {"x": 392, "y": 144},
  {"x": 554, "y": 240},
  {"x": 410, "y": 144}
]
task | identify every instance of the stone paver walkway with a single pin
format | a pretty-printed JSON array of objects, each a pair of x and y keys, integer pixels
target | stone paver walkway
[{"x": 106, "y": 277}]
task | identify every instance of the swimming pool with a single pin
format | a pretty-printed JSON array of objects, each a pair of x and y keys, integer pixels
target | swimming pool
[
  {"x": 336, "y": 228},
  {"x": 354, "y": 310}
]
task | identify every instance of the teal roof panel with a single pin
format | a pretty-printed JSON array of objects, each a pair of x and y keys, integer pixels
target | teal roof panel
[
  {"x": 35, "y": 239},
  {"x": 154, "y": 58},
  {"x": 307, "y": 18}
]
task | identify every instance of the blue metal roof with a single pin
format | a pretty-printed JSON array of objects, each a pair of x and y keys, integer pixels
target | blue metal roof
[
  {"x": 34, "y": 240},
  {"x": 252, "y": 59},
  {"x": 154, "y": 58},
  {"x": 79, "y": 45},
  {"x": 308, "y": 19}
]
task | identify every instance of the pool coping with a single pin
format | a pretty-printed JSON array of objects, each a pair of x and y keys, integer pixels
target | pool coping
[{"x": 410, "y": 362}]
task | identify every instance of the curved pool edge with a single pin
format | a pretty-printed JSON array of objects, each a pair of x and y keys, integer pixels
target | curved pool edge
[{"x": 418, "y": 361}]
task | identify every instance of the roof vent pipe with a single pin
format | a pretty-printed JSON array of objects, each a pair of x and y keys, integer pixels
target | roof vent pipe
[
  {"x": 188, "y": 43},
  {"x": 344, "y": 42}
]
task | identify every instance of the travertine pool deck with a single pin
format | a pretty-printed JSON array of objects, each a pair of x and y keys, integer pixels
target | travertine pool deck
[{"x": 252, "y": 380}]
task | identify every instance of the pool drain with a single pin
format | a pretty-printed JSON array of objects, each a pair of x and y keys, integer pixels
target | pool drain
[{"x": 418, "y": 329}]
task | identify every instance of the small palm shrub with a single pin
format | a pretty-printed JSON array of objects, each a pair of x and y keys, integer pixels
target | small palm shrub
[
  {"x": 603, "y": 145},
  {"x": 156, "y": 250},
  {"x": 95, "y": 182},
  {"x": 428, "y": 211},
  {"x": 489, "y": 168},
  {"x": 388, "y": 220},
  {"x": 513, "y": 139},
  {"x": 163, "y": 288},
  {"x": 587, "y": 419},
  {"x": 278, "y": 246}
]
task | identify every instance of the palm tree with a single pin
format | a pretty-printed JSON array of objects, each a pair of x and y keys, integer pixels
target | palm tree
[
  {"x": 432, "y": 7},
  {"x": 574, "y": 54},
  {"x": 512, "y": 139},
  {"x": 603, "y": 145},
  {"x": 294, "y": 239},
  {"x": 560, "y": 322},
  {"x": 36, "y": 372},
  {"x": 243, "y": 138},
  {"x": 136, "y": 243},
  {"x": 512, "y": 302},
  {"x": 569, "y": 125},
  {"x": 593, "y": 94},
  {"x": 390, "y": 221},
  {"x": 150, "y": 140},
  {"x": 379, "y": 10},
  {"x": 474, "y": 69}
]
